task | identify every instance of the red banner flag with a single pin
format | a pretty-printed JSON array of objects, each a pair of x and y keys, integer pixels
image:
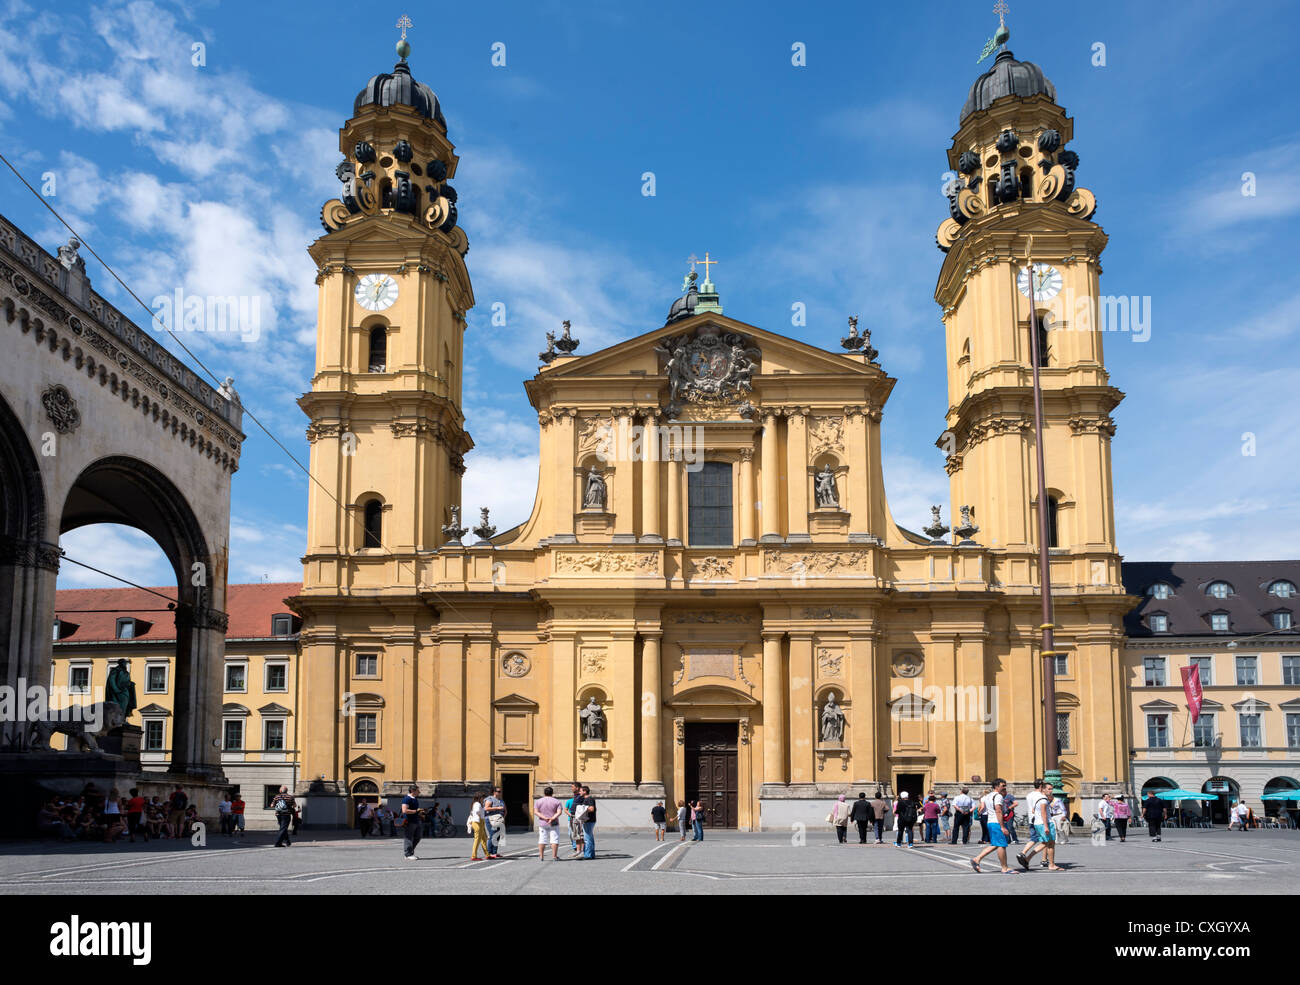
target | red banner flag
[{"x": 1192, "y": 688}]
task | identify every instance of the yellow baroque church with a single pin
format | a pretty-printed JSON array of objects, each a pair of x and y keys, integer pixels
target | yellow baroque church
[{"x": 711, "y": 597}]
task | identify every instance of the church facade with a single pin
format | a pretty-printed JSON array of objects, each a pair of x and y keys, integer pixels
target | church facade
[{"x": 711, "y": 597}]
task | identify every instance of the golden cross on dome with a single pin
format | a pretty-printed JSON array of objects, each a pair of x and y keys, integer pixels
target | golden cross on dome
[
  {"x": 404, "y": 22},
  {"x": 706, "y": 261}
]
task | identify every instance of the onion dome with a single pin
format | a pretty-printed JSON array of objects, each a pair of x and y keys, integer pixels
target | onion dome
[
  {"x": 1007, "y": 77},
  {"x": 397, "y": 88}
]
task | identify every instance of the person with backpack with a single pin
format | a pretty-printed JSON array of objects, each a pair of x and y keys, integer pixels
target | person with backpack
[
  {"x": 999, "y": 835},
  {"x": 906, "y": 816},
  {"x": 284, "y": 805}
]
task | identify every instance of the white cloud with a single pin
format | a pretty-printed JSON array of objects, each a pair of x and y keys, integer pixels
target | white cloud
[
  {"x": 507, "y": 485},
  {"x": 121, "y": 551}
]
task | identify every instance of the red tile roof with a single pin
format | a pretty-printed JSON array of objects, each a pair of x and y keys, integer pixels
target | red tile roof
[{"x": 95, "y": 611}]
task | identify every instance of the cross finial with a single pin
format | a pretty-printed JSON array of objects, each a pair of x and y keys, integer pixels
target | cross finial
[
  {"x": 693, "y": 260},
  {"x": 404, "y": 22},
  {"x": 706, "y": 261},
  {"x": 1001, "y": 9}
]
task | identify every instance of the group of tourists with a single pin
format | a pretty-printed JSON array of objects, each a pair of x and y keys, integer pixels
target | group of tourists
[{"x": 111, "y": 817}]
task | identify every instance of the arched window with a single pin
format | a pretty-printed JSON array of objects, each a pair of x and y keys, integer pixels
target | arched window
[
  {"x": 1053, "y": 511},
  {"x": 1159, "y": 590},
  {"x": 1026, "y": 183},
  {"x": 373, "y": 524},
  {"x": 1042, "y": 339},
  {"x": 1219, "y": 589},
  {"x": 1282, "y": 589},
  {"x": 378, "y": 349}
]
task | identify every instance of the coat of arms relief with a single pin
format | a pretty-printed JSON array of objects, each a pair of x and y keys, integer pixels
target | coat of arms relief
[{"x": 709, "y": 368}]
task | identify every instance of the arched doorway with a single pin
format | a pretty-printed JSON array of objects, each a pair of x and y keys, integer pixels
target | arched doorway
[
  {"x": 1156, "y": 784},
  {"x": 1287, "y": 810},
  {"x": 23, "y": 554},
  {"x": 126, "y": 491},
  {"x": 1226, "y": 792},
  {"x": 363, "y": 792}
]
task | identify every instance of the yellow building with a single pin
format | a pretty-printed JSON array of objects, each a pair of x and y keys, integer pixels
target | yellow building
[
  {"x": 96, "y": 627},
  {"x": 1235, "y": 622},
  {"x": 711, "y": 596}
]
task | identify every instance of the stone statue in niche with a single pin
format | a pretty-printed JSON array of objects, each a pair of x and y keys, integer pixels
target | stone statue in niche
[
  {"x": 828, "y": 494},
  {"x": 594, "y": 495},
  {"x": 832, "y": 722},
  {"x": 592, "y": 719}
]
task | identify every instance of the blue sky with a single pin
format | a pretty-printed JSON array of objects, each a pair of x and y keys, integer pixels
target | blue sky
[{"x": 818, "y": 184}]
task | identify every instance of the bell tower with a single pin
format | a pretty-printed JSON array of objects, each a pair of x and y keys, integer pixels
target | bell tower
[
  {"x": 1014, "y": 195},
  {"x": 387, "y": 433}
]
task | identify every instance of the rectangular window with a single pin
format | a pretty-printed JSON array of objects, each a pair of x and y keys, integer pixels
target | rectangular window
[
  {"x": 1219, "y": 622},
  {"x": 269, "y": 793},
  {"x": 367, "y": 665},
  {"x": 1154, "y": 671},
  {"x": 367, "y": 728},
  {"x": 1247, "y": 674},
  {"x": 155, "y": 679},
  {"x": 1158, "y": 731},
  {"x": 273, "y": 736},
  {"x": 126, "y": 629},
  {"x": 232, "y": 736},
  {"x": 277, "y": 677},
  {"x": 1204, "y": 731},
  {"x": 1281, "y": 620},
  {"x": 154, "y": 734},
  {"x": 1292, "y": 730},
  {"x": 1291, "y": 671},
  {"x": 1206, "y": 664},
  {"x": 281, "y": 625},
  {"x": 1061, "y": 665},
  {"x": 236, "y": 677},
  {"x": 78, "y": 680},
  {"x": 709, "y": 499},
  {"x": 1252, "y": 732},
  {"x": 1063, "y": 732},
  {"x": 1159, "y": 623}
]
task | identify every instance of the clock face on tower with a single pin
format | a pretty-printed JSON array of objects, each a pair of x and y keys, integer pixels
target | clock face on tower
[
  {"x": 375, "y": 292},
  {"x": 1047, "y": 282}
]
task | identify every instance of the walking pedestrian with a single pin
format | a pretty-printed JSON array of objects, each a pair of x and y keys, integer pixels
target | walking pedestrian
[
  {"x": 839, "y": 817},
  {"x": 697, "y": 820},
  {"x": 476, "y": 824},
  {"x": 660, "y": 818},
  {"x": 862, "y": 815},
  {"x": 930, "y": 814},
  {"x": 412, "y": 828},
  {"x": 1123, "y": 811},
  {"x": 983, "y": 816},
  {"x": 1061, "y": 820},
  {"x": 1009, "y": 812},
  {"x": 365, "y": 818},
  {"x": 588, "y": 824},
  {"x": 999, "y": 837},
  {"x": 1106, "y": 811},
  {"x": 1153, "y": 809},
  {"x": 905, "y": 815},
  {"x": 494, "y": 809},
  {"x": 283, "y": 805},
  {"x": 963, "y": 810},
  {"x": 548, "y": 812},
  {"x": 237, "y": 807},
  {"x": 880, "y": 809},
  {"x": 1041, "y": 836}
]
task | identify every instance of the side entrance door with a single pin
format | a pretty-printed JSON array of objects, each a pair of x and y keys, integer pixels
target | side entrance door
[{"x": 711, "y": 770}]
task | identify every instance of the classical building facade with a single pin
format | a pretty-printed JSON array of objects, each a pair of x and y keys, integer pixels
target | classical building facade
[
  {"x": 1236, "y": 622},
  {"x": 711, "y": 596},
  {"x": 94, "y": 628}
]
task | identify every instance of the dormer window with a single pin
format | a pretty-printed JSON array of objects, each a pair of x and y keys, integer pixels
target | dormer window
[
  {"x": 1219, "y": 622},
  {"x": 1219, "y": 590},
  {"x": 125, "y": 629},
  {"x": 1158, "y": 622},
  {"x": 63, "y": 629},
  {"x": 1282, "y": 589},
  {"x": 1160, "y": 590},
  {"x": 1281, "y": 620},
  {"x": 282, "y": 624}
]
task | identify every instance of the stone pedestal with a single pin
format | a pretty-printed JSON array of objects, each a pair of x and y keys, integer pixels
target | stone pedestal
[{"x": 594, "y": 525}]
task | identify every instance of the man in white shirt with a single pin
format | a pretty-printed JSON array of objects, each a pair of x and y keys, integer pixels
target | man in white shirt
[
  {"x": 1060, "y": 820},
  {"x": 963, "y": 809},
  {"x": 1106, "y": 811},
  {"x": 999, "y": 835},
  {"x": 223, "y": 814},
  {"x": 1042, "y": 838}
]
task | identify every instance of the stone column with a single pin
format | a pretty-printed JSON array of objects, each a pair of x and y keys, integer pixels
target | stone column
[
  {"x": 747, "y": 497},
  {"x": 773, "y": 711},
  {"x": 650, "y": 455},
  {"x": 674, "y": 502},
  {"x": 796, "y": 474},
  {"x": 770, "y": 466},
  {"x": 651, "y": 716}
]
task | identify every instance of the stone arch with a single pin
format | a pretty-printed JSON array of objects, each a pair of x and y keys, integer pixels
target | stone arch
[
  {"x": 127, "y": 491},
  {"x": 23, "y": 552}
]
